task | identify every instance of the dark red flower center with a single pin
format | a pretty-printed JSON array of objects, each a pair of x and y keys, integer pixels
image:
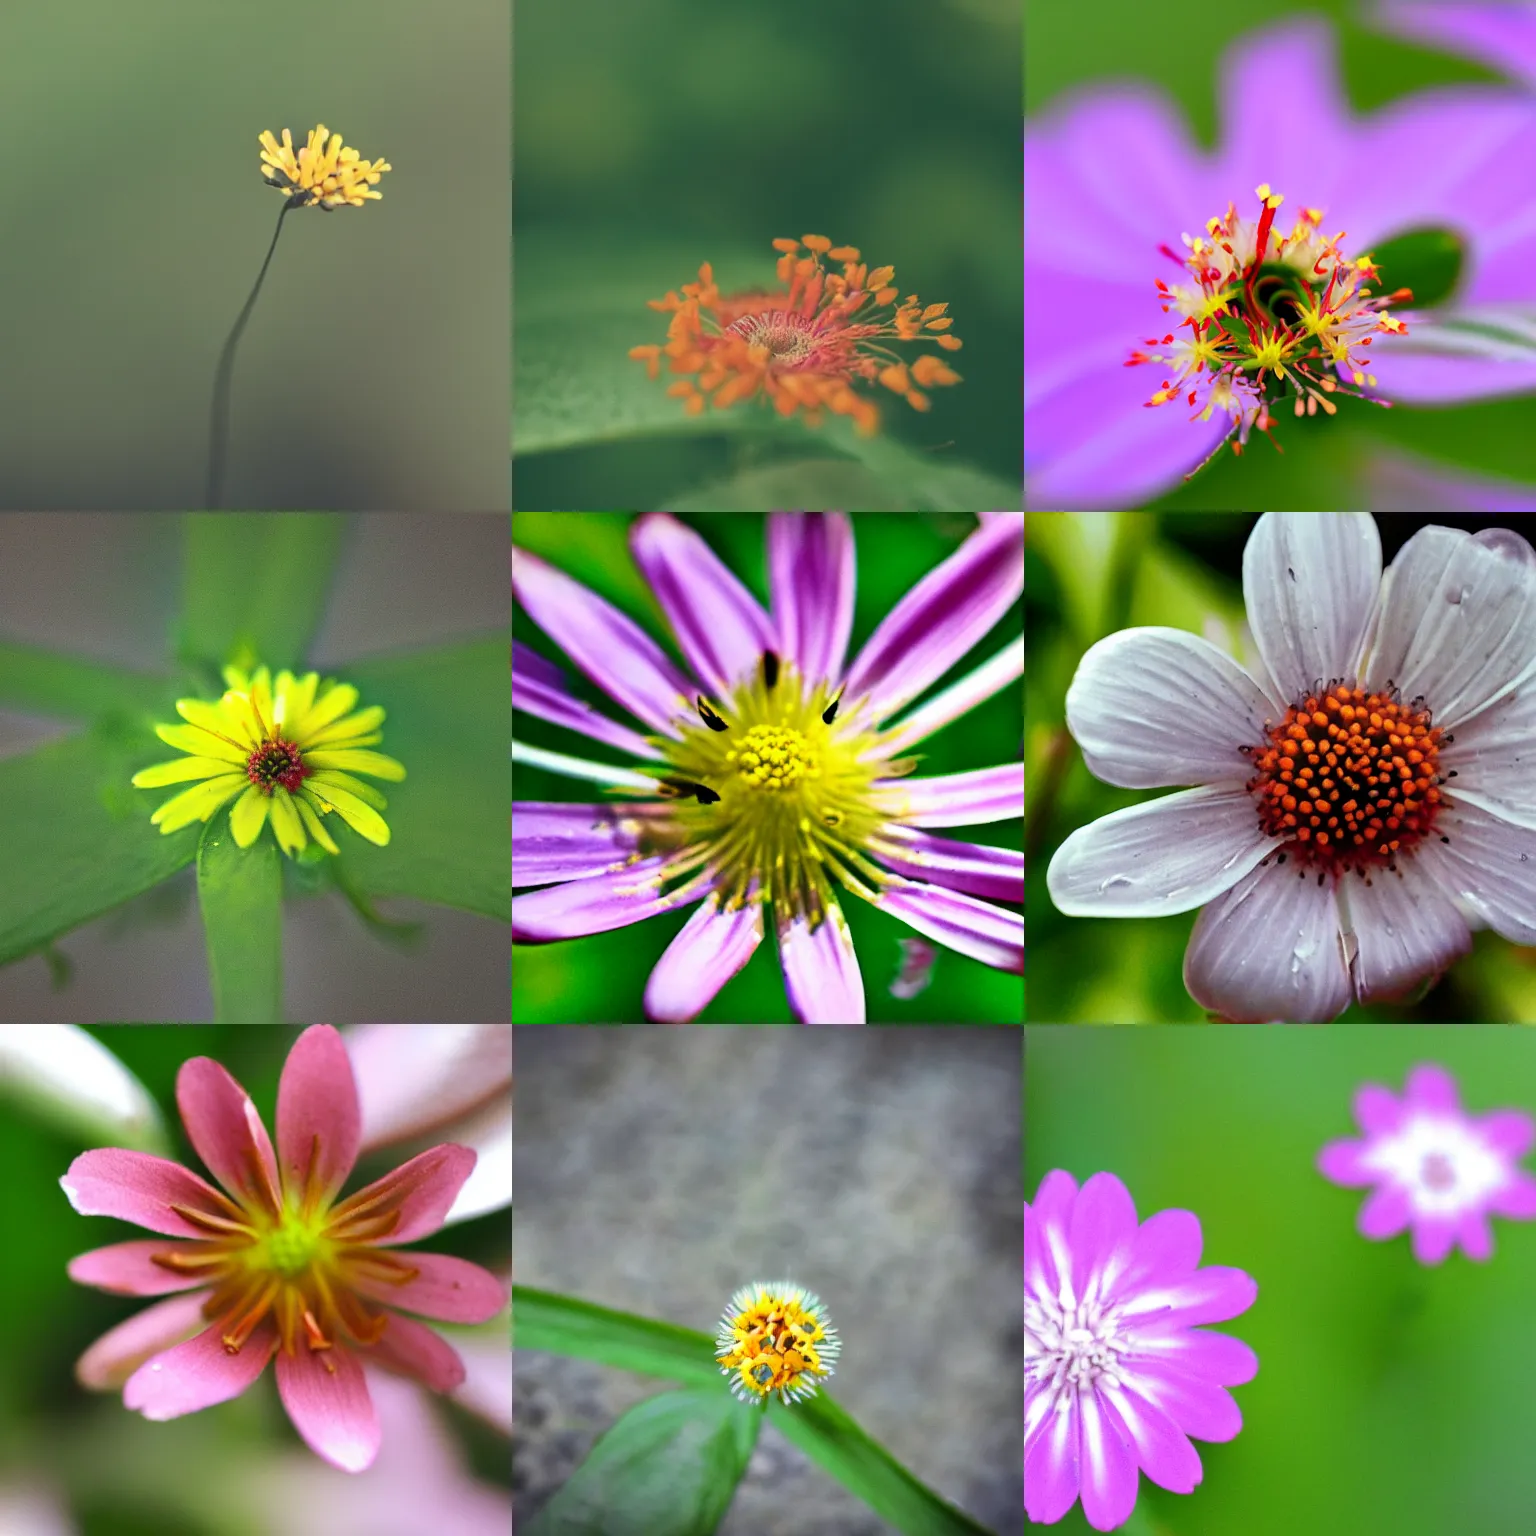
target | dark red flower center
[{"x": 276, "y": 762}]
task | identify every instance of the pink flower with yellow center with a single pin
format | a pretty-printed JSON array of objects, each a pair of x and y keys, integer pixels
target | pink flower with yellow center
[{"x": 272, "y": 1263}]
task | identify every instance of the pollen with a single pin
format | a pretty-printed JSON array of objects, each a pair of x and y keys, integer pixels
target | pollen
[
  {"x": 774, "y": 757},
  {"x": 776, "y": 1338},
  {"x": 276, "y": 762}
]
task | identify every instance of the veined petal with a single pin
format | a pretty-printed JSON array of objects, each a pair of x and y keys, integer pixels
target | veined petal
[
  {"x": 811, "y": 576},
  {"x": 423, "y": 1189},
  {"x": 1405, "y": 929},
  {"x": 595, "y": 905},
  {"x": 178, "y": 771},
  {"x": 327, "y": 1400},
  {"x": 559, "y": 841},
  {"x": 375, "y": 763},
  {"x": 539, "y": 688},
  {"x": 248, "y": 816},
  {"x": 974, "y": 688},
  {"x": 128, "y": 1269},
  {"x": 821, "y": 970},
  {"x": 363, "y": 723},
  {"x": 318, "y": 1119},
  {"x": 357, "y": 787},
  {"x": 975, "y": 928},
  {"x": 412, "y": 1349},
  {"x": 143, "y": 1189},
  {"x": 711, "y": 947},
  {"x": 286, "y": 826},
  {"x": 313, "y": 825},
  {"x": 197, "y": 804},
  {"x": 959, "y": 799},
  {"x": 979, "y": 868},
  {"x": 450, "y": 1289},
  {"x": 295, "y": 698},
  {"x": 218, "y": 721},
  {"x": 120, "y": 1351},
  {"x": 201, "y": 743},
  {"x": 226, "y": 1132},
  {"x": 335, "y": 702},
  {"x": 362, "y": 818}
]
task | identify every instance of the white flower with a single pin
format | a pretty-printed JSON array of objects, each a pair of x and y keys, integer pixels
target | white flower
[{"x": 1367, "y": 790}]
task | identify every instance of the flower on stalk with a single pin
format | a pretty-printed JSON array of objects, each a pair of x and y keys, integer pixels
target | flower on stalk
[
  {"x": 776, "y": 1337},
  {"x": 804, "y": 347},
  {"x": 288, "y": 749},
  {"x": 325, "y": 173},
  {"x": 1118, "y": 1373},
  {"x": 1435, "y": 1168},
  {"x": 1366, "y": 798},
  {"x": 786, "y": 776},
  {"x": 273, "y": 1263}
]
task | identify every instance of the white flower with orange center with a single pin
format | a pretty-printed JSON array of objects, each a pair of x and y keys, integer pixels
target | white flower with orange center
[{"x": 776, "y": 1337}]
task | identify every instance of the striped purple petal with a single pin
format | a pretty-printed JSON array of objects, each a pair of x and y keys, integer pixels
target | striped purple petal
[
  {"x": 997, "y": 873},
  {"x": 557, "y": 841},
  {"x": 539, "y": 688},
  {"x": 711, "y": 947},
  {"x": 960, "y": 799},
  {"x": 984, "y": 932},
  {"x": 811, "y": 577},
  {"x": 595, "y": 905},
  {"x": 821, "y": 970}
]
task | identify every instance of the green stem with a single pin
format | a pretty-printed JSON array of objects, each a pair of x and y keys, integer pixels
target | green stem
[{"x": 240, "y": 891}]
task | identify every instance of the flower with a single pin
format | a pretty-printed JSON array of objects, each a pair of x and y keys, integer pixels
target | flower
[
  {"x": 1435, "y": 1168},
  {"x": 1402, "y": 482},
  {"x": 286, "y": 746},
  {"x": 274, "y": 1265},
  {"x": 803, "y": 346},
  {"x": 1117, "y": 1373},
  {"x": 1366, "y": 799},
  {"x": 776, "y": 1337},
  {"x": 1503, "y": 36},
  {"x": 788, "y": 778},
  {"x": 324, "y": 174},
  {"x": 1121, "y": 200}
]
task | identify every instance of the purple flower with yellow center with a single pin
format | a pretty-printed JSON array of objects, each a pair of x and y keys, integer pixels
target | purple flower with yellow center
[
  {"x": 1433, "y": 1167},
  {"x": 780, "y": 770},
  {"x": 1142, "y": 249},
  {"x": 1118, "y": 1372}
]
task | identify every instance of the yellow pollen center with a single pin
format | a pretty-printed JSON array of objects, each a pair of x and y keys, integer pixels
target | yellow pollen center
[
  {"x": 290, "y": 1249},
  {"x": 773, "y": 757}
]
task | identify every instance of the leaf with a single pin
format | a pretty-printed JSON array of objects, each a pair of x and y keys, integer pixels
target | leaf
[
  {"x": 668, "y": 1467},
  {"x": 240, "y": 891},
  {"x": 55, "y": 684},
  {"x": 564, "y": 1325},
  {"x": 1428, "y": 261},
  {"x": 77, "y": 836},
  {"x": 254, "y": 584}
]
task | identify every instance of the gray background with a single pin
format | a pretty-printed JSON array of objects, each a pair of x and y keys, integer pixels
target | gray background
[{"x": 660, "y": 1169}]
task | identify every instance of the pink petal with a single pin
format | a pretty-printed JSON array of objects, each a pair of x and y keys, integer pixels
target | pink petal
[
  {"x": 1052, "y": 1461},
  {"x": 960, "y": 799},
  {"x": 1385, "y": 1213},
  {"x": 126, "y": 1270},
  {"x": 556, "y": 841},
  {"x": 1432, "y": 1088},
  {"x": 1345, "y": 1162},
  {"x": 1515, "y": 1199},
  {"x": 412, "y": 1078},
  {"x": 709, "y": 949},
  {"x": 318, "y": 1119},
  {"x": 539, "y": 693},
  {"x": 595, "y": 904},
  {"x": 423, "y": 1188},
  {"x": 326, "y": 1396},
  {"x": 412, "y": 1349},
  {"x": 1511, "y": 1132},
  {"x": 821, "y": 971},
  {"x": 199, "y": 1373},
  {"x": 227, "y": 1133},
  {"x": 811, "y": 575},
  {"x": 976, "y": 687},
  {"x": 450, "y": 1289},
  {"x": 120, "y": 1351},
  {"x": 990, "y": 934},
  {"x": 487, "y": 1386},
  {"x": 1109, "y": 1469},
  {"x": 141, "y": 1188},
  {"x": 1433, "y": 1238},
  {"x": 978, "y": 868}
]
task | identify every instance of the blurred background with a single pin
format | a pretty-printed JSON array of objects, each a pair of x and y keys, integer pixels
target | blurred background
[
  {"x": 1087, "y": 575},
  {"x": 601, "y": 979},
  {"x": 649, "y": 1181},
  {"x": 1392, "y": 1399},
  {"x": 651, "y": 138},
  {"x": 373, "y": 371}
]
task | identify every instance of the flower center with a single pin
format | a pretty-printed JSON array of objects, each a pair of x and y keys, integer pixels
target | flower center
[
  {"x": 1437, "y": 1171},
  {"x": 788, "y": 337},
  {"x": 1070, "y": 1345},
  {"x": 276, "y": 762},
  {"x": 1349, "y": 780},
  {"x": 291, "y": 1249},
  {"x": 772, "y": 757}
]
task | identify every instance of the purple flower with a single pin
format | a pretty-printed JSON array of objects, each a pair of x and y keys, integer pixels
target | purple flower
[
  {"x": 1435, "y": 1168},
  {"x": 1501, "y": 36},
  {"x": 779, "y": 769},
  {"x": 1367, "y": 796},
  {"x": 1120, "y": 199},
  {"x": 1116, "y": 1375}
]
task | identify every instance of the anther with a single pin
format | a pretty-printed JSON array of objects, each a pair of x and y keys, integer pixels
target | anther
[
  {"x": 709, "y": 717},
  {"x": 771, "y": 669},
  {"x": 674, "y": 787},
  {"x": 829, "y": 714}
]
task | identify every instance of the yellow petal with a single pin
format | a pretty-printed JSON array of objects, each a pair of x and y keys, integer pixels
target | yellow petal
[
  {"x": 295, "y": 696},
  {"x": 315, "y": 825},
  {"x": 218, "y": 721},
  {"x": 332, "y": 705},
  {"x": 200, "y": 743},
  {"x": 178, "y": 771},
  {"x": 197, "y": 803},
  {"x": 360, "y": 724},
  {"x": 285, "y": 822},
  {"x": 364, "y": 792},
  {"x": 374, "y": 763},
  {"x": 360, "y": 817},
  {"x": 249, "y": 816}
]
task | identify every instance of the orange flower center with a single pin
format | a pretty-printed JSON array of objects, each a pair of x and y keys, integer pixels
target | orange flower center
[{"x": 789, "y": 338}]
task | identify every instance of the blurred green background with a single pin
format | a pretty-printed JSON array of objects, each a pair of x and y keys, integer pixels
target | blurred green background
[
  {"x": 1088, "y": 574},
  {"x": 1327, "y": 463},
  {"x": 1391, "y": 1397},
  {"x": 601, "y": 979},
  {"x": 650, "y": 138},
  {"x": 373, "y": 372}
]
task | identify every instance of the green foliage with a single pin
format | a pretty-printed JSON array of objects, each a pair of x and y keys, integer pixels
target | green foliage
[
  {"x": 1429, "y": 261},
  {"x": 50, "y": 684},
  {"x": 564, "y": 1325},
  {"x": 240, "y": 891}
]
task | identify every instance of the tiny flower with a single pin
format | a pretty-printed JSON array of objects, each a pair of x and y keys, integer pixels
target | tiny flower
[
  {"x": 285, "y": 749},
  {"x": 326, "y": 173},
  {"x": 274, "y": 1264},
  {"x": 1435, "y": 1168},
  {"x": 1365, "y": 796},
  {"x": 1117, "y": 1371},
  {"x": 805, "y": 346},
  {"x": 776, "y": 1337}
]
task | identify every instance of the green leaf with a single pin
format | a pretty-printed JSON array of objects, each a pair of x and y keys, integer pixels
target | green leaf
[
  {"x": 563, "y": 1325},
  {"x": 668, "y": 1467},
  {"x": 1428, "y": 261},
  {"x": 254, "y": 584},
  {"x": 54, "y": 684},
  {"x": 77, "y": 836},
  {"x": 240, "y": 891}
]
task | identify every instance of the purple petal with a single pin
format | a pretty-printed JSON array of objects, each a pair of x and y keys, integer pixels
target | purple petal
[
  {"x": 1433, "y": 1238},
  {"x": 593, "y": 905},
  {"x": 1210, "y": 1295},
  {"x": 1511, "y": 1132},
  {"x": 1200, "y": 1408},
  {"x": 976, "y": 687},
  {"x": 710, "y": 948},
  {"x": 1346, "y": 1163},
  {"x": 533, "y": 691},
  {"x": 960, "y": 799},
  {"x": 1502, "y": 36},
  {"x": 811, "y": 576},
  {"x": 1163, "y": 1450},
  {"x": 1385, "y": 1213},
  {"x": 556, "y": 841},
  {"x": 198, "y": 1373},
  {"x": 1378, "y": 1111},
  {"x": 1215, "y": 1357},
  {"x": 1051, "y": 1463},
  {"x": 1166, "y": 1247},
  {"x": 1432, "y": 1088},
  {"x": 1516, "y": 1198},
  {"x": 978, "y": 868},
  {"x": 821, "y": 970},
  {"x": 1108, "y": 1471},
  {"x": 1398, "y": 482},
  {"x": 990, "y": 934},
  {"x": 1102, "y": 1229}
]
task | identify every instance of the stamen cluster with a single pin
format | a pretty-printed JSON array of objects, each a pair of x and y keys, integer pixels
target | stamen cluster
[
  {"x": 277, "y": 762},
  {"x": 775, "y": 1338}
]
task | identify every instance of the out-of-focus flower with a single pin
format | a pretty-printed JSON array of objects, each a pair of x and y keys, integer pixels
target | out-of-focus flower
[
  {"x": 1366, "y": 794},
  {"x": 786, "y": 778},
  {"x": 29, "y": 1509},
  {"x": 917, "y": 957},
  {"x": 1403, "y": 482},
  {"x": 776, "y": 1337},
  {"x": 71, "y": 1078},
  {"x": 326, "y": 173},
  {"x": 1502, "y": 36},
  {"x": 274, "y": 1265},
  {"x": 1118, "y": 1373},
  {"x": 1435, "y": 1168}
]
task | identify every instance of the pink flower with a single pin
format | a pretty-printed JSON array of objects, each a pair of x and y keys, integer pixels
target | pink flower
[
  {"x": 275, "y": 1265},
  {"x": 1435, "y": 1168}
]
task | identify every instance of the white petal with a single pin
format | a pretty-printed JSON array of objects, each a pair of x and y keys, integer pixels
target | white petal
[
  {"x": 1494, "y": 756},
  {"x": 579, "y": 767},
  {"x": 1488, "y": 867},
  {"x": 1169, "y": 855},
  {"x": 1405, "y": 929},
  {"x": 1154, "y": 707},
  {"x": 71, "y": 1078}
]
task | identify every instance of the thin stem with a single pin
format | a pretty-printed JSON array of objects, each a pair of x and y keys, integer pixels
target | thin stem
[{"x": 218, "y": 424}]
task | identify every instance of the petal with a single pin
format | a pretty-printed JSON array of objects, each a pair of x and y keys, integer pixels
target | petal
[
  {"x": 313, "y": 825},
  {"x": 120, "y": 1351},
  {"x": 374, "y": 763},
  {"x": 709, "y": 949},
  {"x": 990, "y": 934},
  {"x": 198, "y": 1373},
  {"x": 720, "y": 627},
  {"x": 821, "y": 970},
  {"x": 325, "y": 779},
  {"x": 1163, "y": 1450},
  {"x": 811, "y": 576},
  {"x": 287, "y": 828},
  {"x": 422, "y": 1190},
  {"x": 1488, "y": 866},
  {"x": 1347, "y": 1163},
  {"x": 1510, "y": 1132},
  {"x": 488, "y": 1134},
  {"x": 533, "y": 691},
  {"x": 178, "y": 771},
  {"x": 1166, "y": 1245},
  {"x": 412, "y": 1349},
  {"x": 1433, "y": 1237},
  {"x": 295, "y": 698},
  {"x": 941, "y": 618},
  {"x": 227, "y": 1133},
  {"x": 1494, "y": 756},
  {"x": 1516, "y": 1198},
  {"x": 248, "y": 816},
  {"x": 1210, "y": 1295},
  {"x": 1051, "y": 1466},
  {"x": 444, "y": 1287},
  {"x": 1168, "y": 855},
  {"x": 232, "y": 723},
  {"x": 1101, "y": 1229},
  {"x": 950, "y": 703},
  {"x": 978, "y": 868},
  {"x": 1154, "y": 707},
  {"x": 188, "y": 738},
  {"x": 1200, "y": 1408},
  {"x": 337, "y": 701},
  {"x": 327, "y": 794},
  {"x": 1432, "y": 1088},
  {"x": 326, "y": 1396},
  {"x": 197, "y": 804},
  {"x": 560, "y": 840},
  {"x": 136, "y": 1187},
  {"x": 1378, "y": 1111},
  {"x": 596, "y": 904},
  {"x": 319, "y": 1124},
  {"x": 1216, "y": 1357},
  {"x": 414, "y": 1078},
  {"x": 1109, "y": 1470},
  {"x": 364, "y": 723},
  {"x": 1406, "y": 930},
  {"x": 959, "y": 799},
  {"x": 1500, "y": 35},
  {"x": 609, "y": 647},
  {"x": 128, "y": 1269}
]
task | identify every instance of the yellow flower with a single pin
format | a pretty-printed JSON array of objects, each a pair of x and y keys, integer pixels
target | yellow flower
[
  {"x": 285, "y": 749},
  {"x": 325, "y": 172},
  {"x": 776, "y": 1337}
]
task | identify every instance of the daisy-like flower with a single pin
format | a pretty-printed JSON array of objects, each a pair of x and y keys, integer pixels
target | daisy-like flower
[
  {"x": 1366, "y": 797},
  {"x": 1118, "y": 1373},
  {"x": 287, "y": 749},
  {"x": 326, "y": 173},
  {"x": 776, "y": 1337},
  {"x": 779, "y": 770},
  {"x": 804, "y": 347},
  {"x": 1142, "y": 248},
  {"x": 272, "y": 1263},
  {"x": 1434, "y": 1167}
]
